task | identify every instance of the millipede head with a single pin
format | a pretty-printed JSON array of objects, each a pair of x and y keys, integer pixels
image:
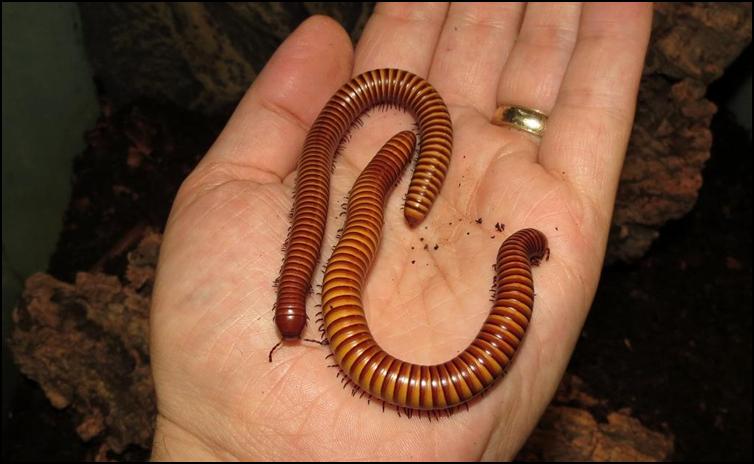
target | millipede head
[{"x": 290, "y": 325}]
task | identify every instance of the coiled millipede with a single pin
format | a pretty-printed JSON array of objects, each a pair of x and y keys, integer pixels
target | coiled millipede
[
  {"x": 309, "y": 215},
  {"x": 403, "y": 384},
  {"x": 400, "y": 383}
]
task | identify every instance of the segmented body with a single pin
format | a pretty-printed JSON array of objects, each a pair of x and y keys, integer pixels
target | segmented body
[
  {"x": 404, "y": 384},
  {"x": 383, "y": 86}
]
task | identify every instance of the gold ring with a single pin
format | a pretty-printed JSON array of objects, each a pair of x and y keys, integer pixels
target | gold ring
[{"x": 518, "y": 117}]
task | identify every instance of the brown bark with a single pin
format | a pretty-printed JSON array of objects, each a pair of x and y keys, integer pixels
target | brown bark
[
  {"x": 87, "y": 345},
  {"x": 569, "y": 431}
]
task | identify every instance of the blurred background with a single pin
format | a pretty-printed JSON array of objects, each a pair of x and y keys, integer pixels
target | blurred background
[{"x": 107, "y": 106}]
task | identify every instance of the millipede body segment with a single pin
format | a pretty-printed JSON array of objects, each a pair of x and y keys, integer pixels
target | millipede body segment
[
  {"x": 404, "y": 384},
  {"x": 373, "y": 88}
]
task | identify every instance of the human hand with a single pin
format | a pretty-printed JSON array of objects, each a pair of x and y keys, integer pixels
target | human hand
[{"x": 211, "y": 325}]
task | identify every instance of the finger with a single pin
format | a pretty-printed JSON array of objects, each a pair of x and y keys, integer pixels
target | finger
[
  {"x": 472, "y": 50},
  {"x": 588, "y": 130},
  {"x": 266, "y": 132},
  {"x": 400, "y": 35},
  {"x": 537, "y": 63}
]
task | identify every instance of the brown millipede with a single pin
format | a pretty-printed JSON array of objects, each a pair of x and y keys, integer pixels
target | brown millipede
[
  {"x": 309, "y": 214},
  {"x": 403, "y": 384}
]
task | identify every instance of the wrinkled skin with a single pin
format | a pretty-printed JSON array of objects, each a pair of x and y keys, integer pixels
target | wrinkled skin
[{"x": 220, "y": 398}]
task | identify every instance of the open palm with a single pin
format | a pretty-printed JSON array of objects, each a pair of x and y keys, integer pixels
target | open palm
[{"x": 427, "y": 294}]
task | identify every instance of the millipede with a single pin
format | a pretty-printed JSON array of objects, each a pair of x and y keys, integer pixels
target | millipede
[
  {"x": 391, "y": 87},
  {"x": 359, "y": 356}
]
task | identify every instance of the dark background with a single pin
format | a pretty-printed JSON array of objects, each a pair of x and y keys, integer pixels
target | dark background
[{"x": 670, "y": 335}]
